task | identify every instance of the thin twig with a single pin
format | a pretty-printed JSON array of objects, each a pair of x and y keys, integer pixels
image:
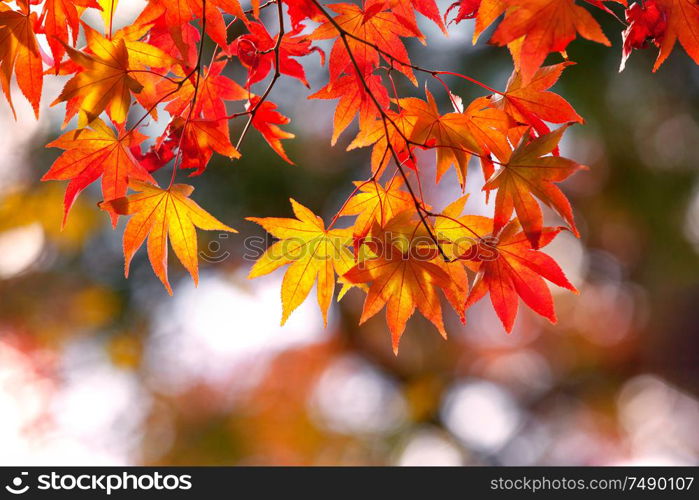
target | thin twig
[
  {"x": 385, "y": 120},
  {"x": 275, "y": 77}
]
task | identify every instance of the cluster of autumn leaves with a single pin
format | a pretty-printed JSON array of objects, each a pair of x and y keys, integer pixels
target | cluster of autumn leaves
[{"x": 400, "y": 251}]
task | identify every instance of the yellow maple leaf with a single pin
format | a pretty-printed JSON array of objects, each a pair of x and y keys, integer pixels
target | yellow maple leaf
[
  {"x": 159, "y": 214},
  {"x": 312, "y": 251}
]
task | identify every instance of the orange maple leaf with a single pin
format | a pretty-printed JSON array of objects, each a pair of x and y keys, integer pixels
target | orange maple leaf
[
  {"x": 102, "y": 83},
  {"x": 19, "y": 51},
  {"x": 449, "y": 133},
  {"x": 376, "y": 203},
  {"x": 400, "y": 125},
  {"x": 532, "y": 103},
  {"x": 529, "y": 173},
  {"x": 162, "y": 214},
  {"x": 255, "y": 51},
  {"x": 509, "y": 268},
  {"x": 266, "y": 120},
  {"x": 353, "y": 99},
  {"x": 402, "y": 277},
  {"x": 214, "y": 90},
  {"x": 61, "y": 22},
  {"x": 489, "y": 127},
  {"x": 544, "y": 26},
  {"x": 179, "y": 13},
  {"x": 93, "y": 152},
  {"x": 405, "y": 10},
  {"x": 373, "y": 24},
  {"x": 682, "y": 26},
  {"x": 200, "y": 138}
]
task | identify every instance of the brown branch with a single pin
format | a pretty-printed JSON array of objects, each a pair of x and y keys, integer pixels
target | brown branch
[
  {"x": 393, "y": 59},
  {"x": 275, "y": 77},
  {"x": 385, "y": 120}
]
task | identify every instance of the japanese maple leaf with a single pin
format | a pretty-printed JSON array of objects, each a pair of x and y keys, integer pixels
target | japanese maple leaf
[
  {"x": 354, "y": 99},
  {"x": 402, "y": 279},
  {"x": 162, "y": 214},
  {"x": 198, "y": 139},
  {"x": 179, "y": 13},
  {"x": 103, "y": 81},
  {"x": 682, "y": 26},
  {"x": 61, "y": 21},
  {"x": 313, "y": 252},
  {"x": 449, "y": 134},
  {"x": 255, "y": 51},
  {"x": 405, "y": 12},
  {"x": 19, "y": 52},
  {"x": 457, "y": 288},
  {"x": 171, "y": 39},
  {"x": 465, "y": 9},
  {"x": 266, "y": 120},
  {"x": 532, "y": 103},
  {"x": 485, "y": 12},
  {"x": 528, "y": 174},
  {"x": 376, "y": 203},
  {"x": 647, "y": 21},
  {"x": 489, "y": 127},
  {"x": 546, "y": 26},
  {"x": 214, "y": 90},
  {"x": 373, "y": 24},
  {"x": 400, "y": 126},
  {"x": 300, "y": 10},
  {"x": 96, "y": 152},
  {"x": 460, "y": 236},
  {"x": 511, "y": 269}
]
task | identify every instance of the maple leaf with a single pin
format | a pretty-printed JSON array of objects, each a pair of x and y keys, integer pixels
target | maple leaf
[
  {"x": 545, "y": 26},
  {"x": 400, "y": 126},
  {"x": 255, "y": 51},
  {"x": 179, "y": 13},
  {"x": 682, "y": 25},
  {"x": 373, "y": 24},
  {"x": 405, "y": 12},
  {"x": 529, "y": 173},
  {"x": 354, "y": 99},
  {"x": 300, "y": 10},
  {"x": 169, "y": 38},
  {"x": 461, "y": 235},
  {"x": 376, "y": 203},
  {"x": 510, "y": 268},
  {"x": 266, "y": 121},
  {"x": 402, "y": 279},
  {"x": 465, "y": 9},
  {"x": 214, "y": 90},
  {"x": 103, "y": 83},
  {"x": 198, "y": 139},
  {"x": 162, "y": 214},
  {"x": 532, "y": 103},
  {"x": 19, "y": 51},
  {"x": 61, "y": 21},
  {"x": 485, "y": 13},
  {"x": 93, "y": 152},
  {"x": 448, "y": 133},
  {"x": 489, "y": 127},
  {"x": 313, "y": 252},
  {"x": 646, "y": 22}
]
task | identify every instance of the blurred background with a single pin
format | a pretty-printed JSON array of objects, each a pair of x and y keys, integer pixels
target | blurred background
[{"x": 96, "y": 369}]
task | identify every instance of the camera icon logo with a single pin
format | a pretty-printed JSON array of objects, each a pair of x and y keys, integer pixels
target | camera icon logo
[{"x": 16, "y": 487}]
